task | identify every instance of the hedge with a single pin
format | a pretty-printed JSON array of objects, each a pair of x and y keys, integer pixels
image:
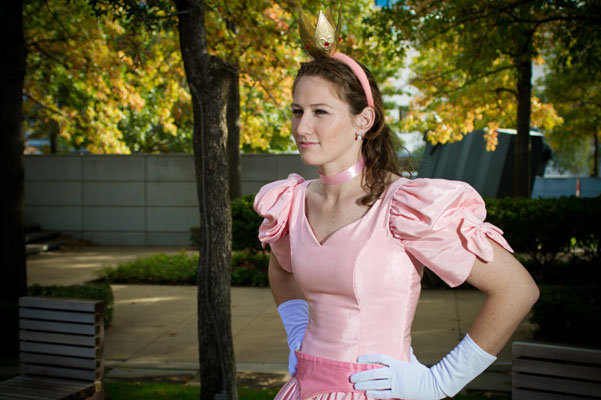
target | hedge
[
  {"x": 568, "y": 314},
  {"x": 245, "y": 225},
  {"x": 548, "y": 234},
  {"x": 248, "y": 269},
  {"x": 94, "y": 291}
]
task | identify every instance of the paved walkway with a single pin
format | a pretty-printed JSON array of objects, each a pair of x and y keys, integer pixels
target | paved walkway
[{"x": 154, "y": 327}]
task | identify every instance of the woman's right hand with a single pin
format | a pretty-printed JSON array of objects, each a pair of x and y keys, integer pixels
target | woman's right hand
[
  {"x": 295, "y": 316},
  {"x": 293, "y": 308}
]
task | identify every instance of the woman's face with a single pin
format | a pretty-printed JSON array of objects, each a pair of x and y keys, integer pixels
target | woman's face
[{"x": 323, "y": 126}]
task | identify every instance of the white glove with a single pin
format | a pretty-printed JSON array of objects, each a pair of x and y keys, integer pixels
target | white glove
[
  {"x": 414, "y": 381},
  {"x": 295, "y": 316}
]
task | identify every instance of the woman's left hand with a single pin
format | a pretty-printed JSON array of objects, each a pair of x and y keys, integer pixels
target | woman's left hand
[
  {"x": 414, "y": 381},
  {"x": 397, "y": 379}
]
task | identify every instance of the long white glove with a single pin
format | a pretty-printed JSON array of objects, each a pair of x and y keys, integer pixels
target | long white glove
[
  {"x": 295, "y": 316},
  {"x": 414, "y": 381}
]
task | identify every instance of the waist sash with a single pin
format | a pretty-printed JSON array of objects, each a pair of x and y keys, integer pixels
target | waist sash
[{"x": 316, "y": 375}]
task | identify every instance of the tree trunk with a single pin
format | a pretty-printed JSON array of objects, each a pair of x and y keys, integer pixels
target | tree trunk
[
  {"x": 595, "y": 155},
  {"x": 233, "y": 138},
  {"x": 210, "y": 79},
  {"x": 13, "y": 279},
  {"x": 522, "y": 174},
  {"x": 53, "y": 131}
]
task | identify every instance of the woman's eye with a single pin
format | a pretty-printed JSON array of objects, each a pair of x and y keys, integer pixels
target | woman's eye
[
  {"x": 320, "y": 112},
  {"x": 297, "y": 112}
]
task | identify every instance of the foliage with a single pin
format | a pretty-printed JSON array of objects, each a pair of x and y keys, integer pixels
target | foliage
[
  {"x": 452, "y": 103},
  {"x": 568, "y": 314},
  {"x": 245, "y": 225},
  {"x": 116, "y": 84},
  {"x": 173, "y": 391},
  {"x": 104, "y": 86},
  {"x": 248, "y": 269},
  {"x": 550, "y": 235},
  {"x": 94, "y": 291},
  {"x": 261, "y": 39},
  {"x": 174, "y": 269},
  {"x": 545, "y": 230},
  {"x": 465, "y": 70},
  {"x": 558, "y": 240},
  {"x": 576, "y": 95}
]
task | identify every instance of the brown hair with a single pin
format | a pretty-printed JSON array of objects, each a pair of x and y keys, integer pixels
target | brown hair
[{"x": 377, "y": 147}]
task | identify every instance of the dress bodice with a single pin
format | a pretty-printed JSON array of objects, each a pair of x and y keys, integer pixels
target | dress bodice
[{"x": 363, "y": 282}]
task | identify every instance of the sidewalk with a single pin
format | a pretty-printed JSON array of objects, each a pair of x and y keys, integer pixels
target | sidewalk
[{"x": 154, "y": 327}]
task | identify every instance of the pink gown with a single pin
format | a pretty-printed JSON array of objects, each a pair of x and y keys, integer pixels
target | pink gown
[{"x": 363, "y": 282}]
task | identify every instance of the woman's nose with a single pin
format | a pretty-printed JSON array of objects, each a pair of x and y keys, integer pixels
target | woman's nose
[{"x": 303, "y": 124}]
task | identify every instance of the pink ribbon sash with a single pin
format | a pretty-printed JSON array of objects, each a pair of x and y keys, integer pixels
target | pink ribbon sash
[{"x": 316, "y": 375}]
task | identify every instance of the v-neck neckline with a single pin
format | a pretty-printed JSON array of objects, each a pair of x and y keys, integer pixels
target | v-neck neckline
[{"x": 343, "y": 227}]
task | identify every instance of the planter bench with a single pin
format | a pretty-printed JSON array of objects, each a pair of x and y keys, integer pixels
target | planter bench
[
  {"x": 552, "y": 372},
  {"x": 61, "y": 350}
]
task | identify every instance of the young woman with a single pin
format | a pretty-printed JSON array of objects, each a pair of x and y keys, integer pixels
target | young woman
[{"x": 348, "y": 251}]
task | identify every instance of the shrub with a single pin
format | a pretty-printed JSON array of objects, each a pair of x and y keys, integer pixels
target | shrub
[
  {"x": 568, "y": 314},
  {"x": 172, "y": 269},
  {"x": 248, "y": 269},
  {"x": 245, "y": 225},
  {"x": 94, "y": 291},
  {"x": 549, "y": 231}
]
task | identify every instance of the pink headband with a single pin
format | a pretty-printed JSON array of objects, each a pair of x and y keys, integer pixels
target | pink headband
[
  {"x": 359, "y": 73},
  {"x": 320, "y": 38}
]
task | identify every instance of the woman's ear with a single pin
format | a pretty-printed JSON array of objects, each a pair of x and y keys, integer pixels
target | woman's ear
[{"x": 365, "y": 120}]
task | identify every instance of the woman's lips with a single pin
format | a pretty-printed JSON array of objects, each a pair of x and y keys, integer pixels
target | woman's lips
[{"x": 308, "y": 145}]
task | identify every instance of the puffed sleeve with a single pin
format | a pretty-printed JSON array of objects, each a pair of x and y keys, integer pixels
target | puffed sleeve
[
  {"x": 273, "y": 203},
  {"x": 441, "y": 223}
]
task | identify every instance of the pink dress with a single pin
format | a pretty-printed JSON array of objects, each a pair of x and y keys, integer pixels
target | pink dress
[{"x": 363, "y": 282}]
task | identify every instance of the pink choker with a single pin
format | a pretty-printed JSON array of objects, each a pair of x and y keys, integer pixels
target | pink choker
[{"x": 345, "y": 175}]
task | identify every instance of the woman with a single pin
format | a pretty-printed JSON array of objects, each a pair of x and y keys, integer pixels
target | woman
[{"x": 351, "y": 247}]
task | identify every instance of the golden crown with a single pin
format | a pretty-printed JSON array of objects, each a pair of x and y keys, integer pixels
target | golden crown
[{"x": 320, "y": 35}]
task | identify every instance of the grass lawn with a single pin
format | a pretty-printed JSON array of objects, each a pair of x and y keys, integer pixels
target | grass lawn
[
  {"x": 173, "y": 391},
  {"x": 178, "y": 391}
]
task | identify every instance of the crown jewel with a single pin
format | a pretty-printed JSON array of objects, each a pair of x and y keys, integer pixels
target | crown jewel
[{"x": 320, "y": 37}]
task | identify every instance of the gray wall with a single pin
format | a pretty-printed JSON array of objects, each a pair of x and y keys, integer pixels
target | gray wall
[
  {"x": 131, "y": 199},
  {"x": 151, "y": 199},
  {"x": 557, "y": 187}
]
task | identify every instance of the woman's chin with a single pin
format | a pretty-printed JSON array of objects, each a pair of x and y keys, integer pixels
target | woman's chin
[{"x": 309, "y": 159}]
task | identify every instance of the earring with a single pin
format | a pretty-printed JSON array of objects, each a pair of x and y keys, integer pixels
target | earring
[{"x": 358, "y": 136}]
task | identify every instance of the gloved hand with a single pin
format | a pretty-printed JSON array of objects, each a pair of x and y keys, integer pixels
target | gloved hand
[
  {"x": 414, "y": 381},
  {"x": 295, "y": 316}
]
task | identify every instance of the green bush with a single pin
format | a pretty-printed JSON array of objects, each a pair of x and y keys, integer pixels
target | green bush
[
  {"x": 171, "y": 269},
  {"x": 549, "y": 235},
  {"x": 248, "y": 269},
  {"x": 568, "y": 314},
  {"x": 549, "y": 232},
  {"x": 245, "y": 225},
  {"x": 94, "y": 291}
]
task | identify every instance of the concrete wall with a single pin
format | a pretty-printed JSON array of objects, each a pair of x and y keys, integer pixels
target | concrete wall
[
  {"x": 557, "y": 187},
  {"x": 134, "y": 199},
  {"x": 151, "y": 199}
]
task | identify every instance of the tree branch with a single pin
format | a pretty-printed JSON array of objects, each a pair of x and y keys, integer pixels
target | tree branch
[
  {"x": 52, "y": 110},
  {"x": 50, "y": 56},
  {"x": 513, "y": 92},
  {"x": 471, "y": 81}
]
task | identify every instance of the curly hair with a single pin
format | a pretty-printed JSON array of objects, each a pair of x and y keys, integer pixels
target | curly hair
[{"x": 377, "y": 147}]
